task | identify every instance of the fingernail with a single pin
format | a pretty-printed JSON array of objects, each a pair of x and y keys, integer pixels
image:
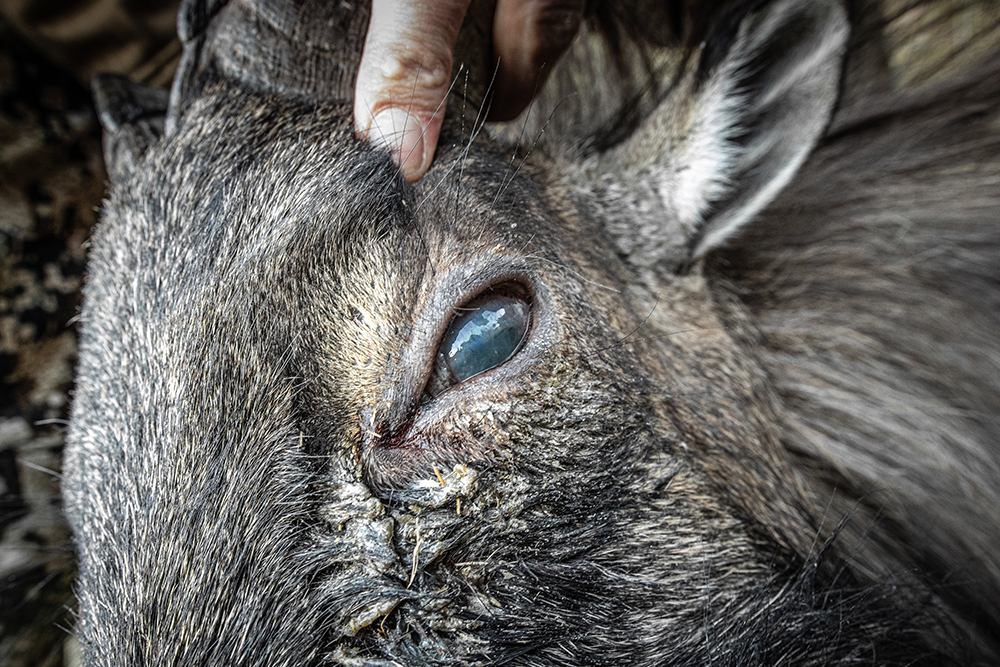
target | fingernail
[{"x": 404, "y": 136}]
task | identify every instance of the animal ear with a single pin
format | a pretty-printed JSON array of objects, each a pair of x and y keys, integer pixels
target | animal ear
[
  {"x": 132, "y": 116},
  {"x": 730, "y": 134},
  {"x": 307, "y": 50}
]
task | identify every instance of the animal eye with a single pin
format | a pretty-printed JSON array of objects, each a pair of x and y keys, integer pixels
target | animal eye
[{"x": 484, "y": 333}]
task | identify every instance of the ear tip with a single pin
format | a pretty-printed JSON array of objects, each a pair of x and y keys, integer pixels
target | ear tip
[
  {"x": 121, "y": 102},
  {"x": 194, "y": 16},
  {"x": 105, "y": 90},
  {"x": 132, "y": 116}
]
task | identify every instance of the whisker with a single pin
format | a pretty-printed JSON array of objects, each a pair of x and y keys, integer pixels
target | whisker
[
  {"x": 437, "y": 109},
  {"x": 566, "y": 267},
  {"x": 35, "y": 466},
  {"x": 51, "y": 576},
  {"x": 643, "y": 322},
  {"x": 49, "y": 422},
  {"x": 395, "y": 132},
  {"x": 420, "y": 232},
  {"x": 524, "y": 125},
  {"x": 657, "y": 336},
  {"x": 505, "y": 182},
  {"x": 477, "y": 126},
  {"x": 475, "y": 133},
  {"x": 461, "y": 134}
]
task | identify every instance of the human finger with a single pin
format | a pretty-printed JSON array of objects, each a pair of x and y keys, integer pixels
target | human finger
[
  {"x": 404, "y": 75},
  {"x": 529, "y": 36}
]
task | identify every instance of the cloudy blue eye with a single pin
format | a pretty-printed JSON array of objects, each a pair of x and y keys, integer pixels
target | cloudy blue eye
[{"x": 485, "y": 333}]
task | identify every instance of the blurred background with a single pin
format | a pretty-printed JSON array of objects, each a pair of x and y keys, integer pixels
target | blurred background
[
  {"x": 52, "y": 181},
  {"x": 51, "y": 185}
]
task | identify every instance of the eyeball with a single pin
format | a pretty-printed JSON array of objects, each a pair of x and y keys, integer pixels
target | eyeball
[{"x": 485, "y": 333}]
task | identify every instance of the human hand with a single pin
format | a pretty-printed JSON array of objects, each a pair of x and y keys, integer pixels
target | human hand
[{"x": 405, "y": 71}]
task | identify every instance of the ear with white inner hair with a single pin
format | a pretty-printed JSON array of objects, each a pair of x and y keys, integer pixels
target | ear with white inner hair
[{"x": 732, "y": 132}]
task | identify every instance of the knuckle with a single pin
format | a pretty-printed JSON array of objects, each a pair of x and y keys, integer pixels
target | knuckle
[{"x": 423, "y": 70}]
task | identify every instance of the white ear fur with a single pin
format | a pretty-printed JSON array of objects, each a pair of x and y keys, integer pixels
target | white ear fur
[
  {"x": 784, "y": 118},
  {"x": 730, "y": 135}
]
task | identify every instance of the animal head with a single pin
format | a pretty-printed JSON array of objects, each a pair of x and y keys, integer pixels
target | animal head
[{"x": 505, "y": 415}]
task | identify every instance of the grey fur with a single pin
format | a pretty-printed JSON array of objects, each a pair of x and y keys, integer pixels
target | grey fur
[{"x": 724, "y": 442}]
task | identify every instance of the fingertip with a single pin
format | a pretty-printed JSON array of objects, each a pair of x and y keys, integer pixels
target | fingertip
[
  {"x": 403, "y": 78},
  {"x": 410, "y": 140}
]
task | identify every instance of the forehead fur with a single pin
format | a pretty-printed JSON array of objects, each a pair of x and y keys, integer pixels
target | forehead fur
[{"x": 184, "y": 414}]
